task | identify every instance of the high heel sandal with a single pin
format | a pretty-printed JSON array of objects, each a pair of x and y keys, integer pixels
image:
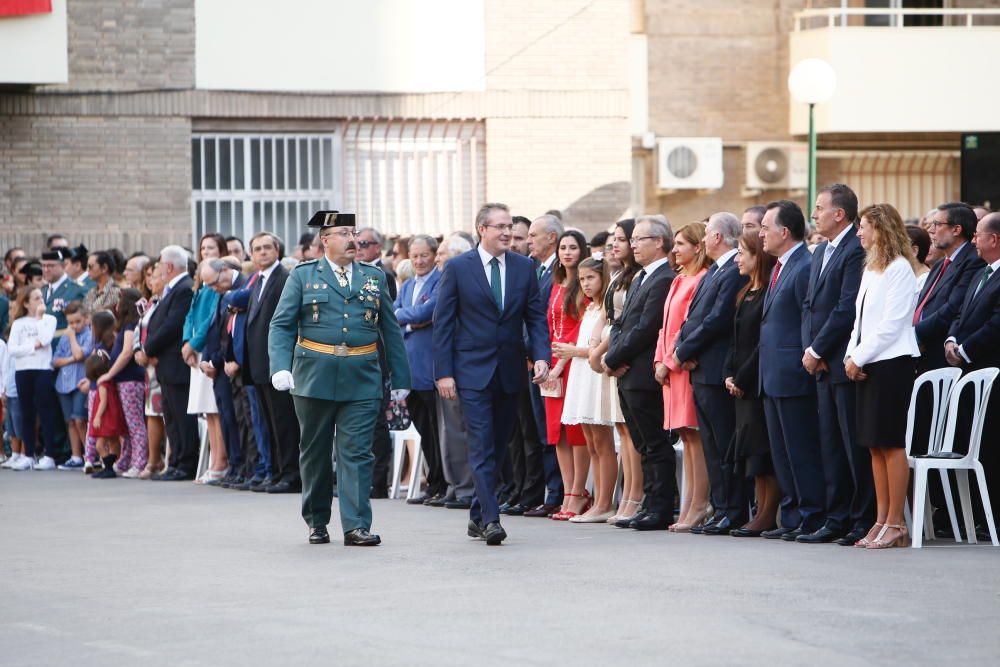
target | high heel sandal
[
  {"x": 619, "y": 517},
  {"x": 864, "y": 541},
  {"x": 699, "y": 519},
  {"x": 562, "y": 514},
  {"x": 566, "y": 515},
  {"x": 901, "y": 540}
]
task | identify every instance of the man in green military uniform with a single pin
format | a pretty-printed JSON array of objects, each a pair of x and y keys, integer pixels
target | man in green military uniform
[
  {"x": 59, "y": 291},
  {"x": 322, "y": 345}
]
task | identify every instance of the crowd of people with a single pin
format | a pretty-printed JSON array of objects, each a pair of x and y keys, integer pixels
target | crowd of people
[{"x": 779, "y": 351}]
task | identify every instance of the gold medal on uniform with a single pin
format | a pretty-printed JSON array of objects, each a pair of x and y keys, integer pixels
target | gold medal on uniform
[{"x": 315, "y": 312}]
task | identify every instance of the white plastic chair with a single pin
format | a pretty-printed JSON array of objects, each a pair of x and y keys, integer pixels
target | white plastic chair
[
  {"x": 399, "y": 439},
  {"x": 946, "y": 459},
  {"x": 941, "y": 382}
]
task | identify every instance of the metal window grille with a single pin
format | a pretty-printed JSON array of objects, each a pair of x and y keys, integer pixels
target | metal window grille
[{"x": 243, "y": 184}]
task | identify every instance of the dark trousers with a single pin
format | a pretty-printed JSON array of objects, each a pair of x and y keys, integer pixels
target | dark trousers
[
  {"x": 791, "y": 428},
  {"x": 182, "y": 428},
  {"x": 847, "y": 468},
  {"x": 643, "y": 411},
  {"x": 283, "y": 427},
  {"x": 261, "y": 434},
  {"x": 382, "y": 446},
  {"x": 716, "y": 423},
  {"x": 245, "y": 426},
  {"x": 227, "y": 416},
  {"x": 422, "y": 405},
  {"x": 528, "y": 483},
  {"x": 489, "y": 421},
  {"x": 550, "y": 464},
  {"x": 36, "y": 391}
]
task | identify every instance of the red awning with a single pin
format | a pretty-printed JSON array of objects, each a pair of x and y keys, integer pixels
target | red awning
[{"x": 22, "y": 7}]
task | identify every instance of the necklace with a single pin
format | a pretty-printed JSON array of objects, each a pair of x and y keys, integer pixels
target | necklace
[{"x": 558, "y": 315}]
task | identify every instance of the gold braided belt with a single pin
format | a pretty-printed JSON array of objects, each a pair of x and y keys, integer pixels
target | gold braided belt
[{"x": 336, "y": 350}]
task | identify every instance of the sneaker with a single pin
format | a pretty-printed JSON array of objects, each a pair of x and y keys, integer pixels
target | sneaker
[
  {"x": 89, "y": 467},
  {"x": 9, "y": 463},
  {"x": 45, "y": 463},
  {"x": 75, "y": 463},
  {"x": 131, "y": 473},
  {"x": 24, "y": 463}
]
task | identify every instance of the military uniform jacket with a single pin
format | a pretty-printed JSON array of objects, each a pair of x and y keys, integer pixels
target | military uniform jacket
[
  {"x": 314, "y": 307},
  {"x": 56, "y": 300}
]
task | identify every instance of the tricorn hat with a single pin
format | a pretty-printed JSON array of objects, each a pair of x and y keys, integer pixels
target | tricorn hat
[{"x": 324, "y": 219}]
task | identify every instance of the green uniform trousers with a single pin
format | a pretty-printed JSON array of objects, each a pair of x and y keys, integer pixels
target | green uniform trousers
[{"x": 354, "y": 422}]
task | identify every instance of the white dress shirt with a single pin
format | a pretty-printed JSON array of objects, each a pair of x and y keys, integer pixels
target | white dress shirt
[
  {"x": 884, "y": 315},
  {"x": 831, "y": 248},
  {"x": 653, "y": 266},
  {"x": 726, "y": 258},
  {"x": 265, "y": 274},
  {"x": 348, "y": 271},
  {"x": 54, "y": 286},
  {"x": 973, "y": 285},
  {"x": 486, "y": 258},
  {"x": 418, "y": 285}
]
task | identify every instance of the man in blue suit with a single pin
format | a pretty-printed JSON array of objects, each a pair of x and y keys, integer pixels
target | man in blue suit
[
  {"x": 702, "y": 345},
  {"x": 828, "y": 317},
  {"x": 486, "y": 298},
  {"x": 414, "y": 310},
  {"x": 789, "y": 391}
]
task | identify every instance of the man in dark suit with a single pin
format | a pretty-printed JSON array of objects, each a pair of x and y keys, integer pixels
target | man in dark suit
[
  {"x": 223, "y": 277},
  {"x": 486, "y": 298},
  {"x": 828, "y": 316},
  {"x": 701, "y": 346},
  {"x": 277, "y": 406},
  {"x": 631, "y": 348},
  {"x": 789, "y": 391},
  {"x": 163, "y": 344},
  {"x": 940, "y": 301},
  {"x": 415, "y": 311},
  {"x": 973, "y": 341}
]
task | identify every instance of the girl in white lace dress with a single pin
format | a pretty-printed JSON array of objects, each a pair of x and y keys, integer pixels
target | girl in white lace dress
[{"x": 591, "y": 399}]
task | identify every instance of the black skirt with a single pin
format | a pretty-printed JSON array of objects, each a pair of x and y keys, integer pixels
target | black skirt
[
  {"x": 749, "y": 452},
  {"x": 883, "y": 401}
]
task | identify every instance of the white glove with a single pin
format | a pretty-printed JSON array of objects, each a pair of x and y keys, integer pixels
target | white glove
[
  {"x": 399, "y": 394},
  {"x": 282, "y": 381}
]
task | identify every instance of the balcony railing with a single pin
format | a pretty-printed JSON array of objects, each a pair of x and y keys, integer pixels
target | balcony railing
[{"x": 841, "y": 17}]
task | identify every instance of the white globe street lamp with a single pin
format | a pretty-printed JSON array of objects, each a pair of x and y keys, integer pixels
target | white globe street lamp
[{"x": 812, "y": 81}]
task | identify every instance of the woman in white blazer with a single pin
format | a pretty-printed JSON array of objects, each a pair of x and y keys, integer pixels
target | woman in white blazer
[{"x": 881, "y": 359}]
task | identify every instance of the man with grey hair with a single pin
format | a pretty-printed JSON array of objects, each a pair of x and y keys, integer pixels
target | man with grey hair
[
  {"x": 163, "y": 344},
  {"x": 370, "y": 245},
  {"x": 701, "y": 346}
]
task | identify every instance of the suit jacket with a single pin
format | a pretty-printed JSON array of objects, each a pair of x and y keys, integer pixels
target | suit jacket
[
  {"x": 238, "y": 301},
  {"x": 633, "y": 337},
  {"x": 165, "y": 333},
  {"x": 218, "y": 341},
  {"x": 545, "y": 281},
  {"x": 977, "y": 328},
  {"x": 781, "y": 349},
  {"x": 708, "y": 330},
  {"x": 945, "y": 304},
  {"x": 391, "y": 275},
  {"x": 828, "y": 311},
  {"x": 419, "y": 342},
  {"x": 256, "y": 366},
  {"x": 473, "y": 340}
]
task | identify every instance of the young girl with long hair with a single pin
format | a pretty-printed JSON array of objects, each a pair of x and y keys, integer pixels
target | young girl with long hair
[
  {"x": 592, "y": 397},
  {"x": 102, "y": 329},
  {"x": 106, "y": 421}
]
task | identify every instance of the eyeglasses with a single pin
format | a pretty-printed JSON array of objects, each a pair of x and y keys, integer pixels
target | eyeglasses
[
  {"x": 348, "y": 234},
  {"x": 502, "y": 228},
  {"x": 937, "y": 223},
  {"x": 635, "y": 239}
]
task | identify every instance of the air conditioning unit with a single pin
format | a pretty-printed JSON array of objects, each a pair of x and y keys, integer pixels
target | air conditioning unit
[
  {"x": 689, "y": 163},
  {"x": 777, "y": 165}
]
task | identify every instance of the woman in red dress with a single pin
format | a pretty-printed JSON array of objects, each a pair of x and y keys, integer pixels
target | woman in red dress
[{"x": 566, "y": 306}]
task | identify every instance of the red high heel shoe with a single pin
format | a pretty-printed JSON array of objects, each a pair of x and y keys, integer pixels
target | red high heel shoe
[{"x": 566, "y": 515}]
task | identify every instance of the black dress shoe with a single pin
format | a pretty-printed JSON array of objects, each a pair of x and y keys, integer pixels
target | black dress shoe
[
  {"x": 359, "y": 537},
  {"x": 504, "y": 507},
  {"x": 494, "y": 533},
  {"x": 821, "y": 536},
  {"x": 698, "y": 530},
  {"x": 850, "y": 538},
  {"x": 318, "y": 535},
  {"x": 176, "y": 475},
  {"x": 438, "y": 500},
  {"x": 459, "y": 504},
  {"x": 244, "y": 486},
  {"x": 517, "y": 510},
  {"x": 721, "y": 527},
  {"x": 627, "y": 523},
  {"x": 284, "y": 487},
  {"x": 650, "y": 521},
  {"x": 745, "y": 532},
  {"x": 776, "y": 533},
  {"x": 542, "y": 511},
  {"x": 231, "y": 481},
  {"x": 793, "y": 535},
  {"x": 378, "y": 493},
  {"x": 476, "y": 529},
  {"x": 260, "y": 486}
]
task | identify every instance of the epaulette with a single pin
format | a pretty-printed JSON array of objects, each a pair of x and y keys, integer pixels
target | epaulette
[
  {"x": 373, "y": 266},
  {"x": 304, "y": 263}
]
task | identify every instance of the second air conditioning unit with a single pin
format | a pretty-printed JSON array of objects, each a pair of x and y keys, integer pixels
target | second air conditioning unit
[
  {"x": 689, "y": 163},
  {"x": 777, "y": 165}
]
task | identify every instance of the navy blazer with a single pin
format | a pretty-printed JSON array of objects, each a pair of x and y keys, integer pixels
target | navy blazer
[
  {"x": 977, "y": 328},
  {"x": 165, "y": 333},
  {"x": 945, "y": 304},
  {"x": 419, "y": 343},
  {"x": 781, "y": 372},
  {"x": 217, "y": 347},
  {"x": 707, "y": 332},
  {"x": 257, "y": 365},
  {"x": 828, "y": 311},
  {"x": 545, "y": 282},
  {"x": 633, "y": 336},
  {"x": 473, "y": 339}
]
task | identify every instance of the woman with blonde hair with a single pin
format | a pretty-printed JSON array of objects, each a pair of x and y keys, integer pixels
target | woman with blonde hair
[
  {"x": 678, "y": 395},
  {"x": 881, "y": 359}
]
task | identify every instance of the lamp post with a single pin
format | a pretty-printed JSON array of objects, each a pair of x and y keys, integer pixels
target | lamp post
[{"x": 812, "y": 81}]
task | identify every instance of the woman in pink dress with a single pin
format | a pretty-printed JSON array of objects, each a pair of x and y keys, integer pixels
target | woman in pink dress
[
  {"x": 566, "y": 307},
  {"x": 678, "y": 396}
]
